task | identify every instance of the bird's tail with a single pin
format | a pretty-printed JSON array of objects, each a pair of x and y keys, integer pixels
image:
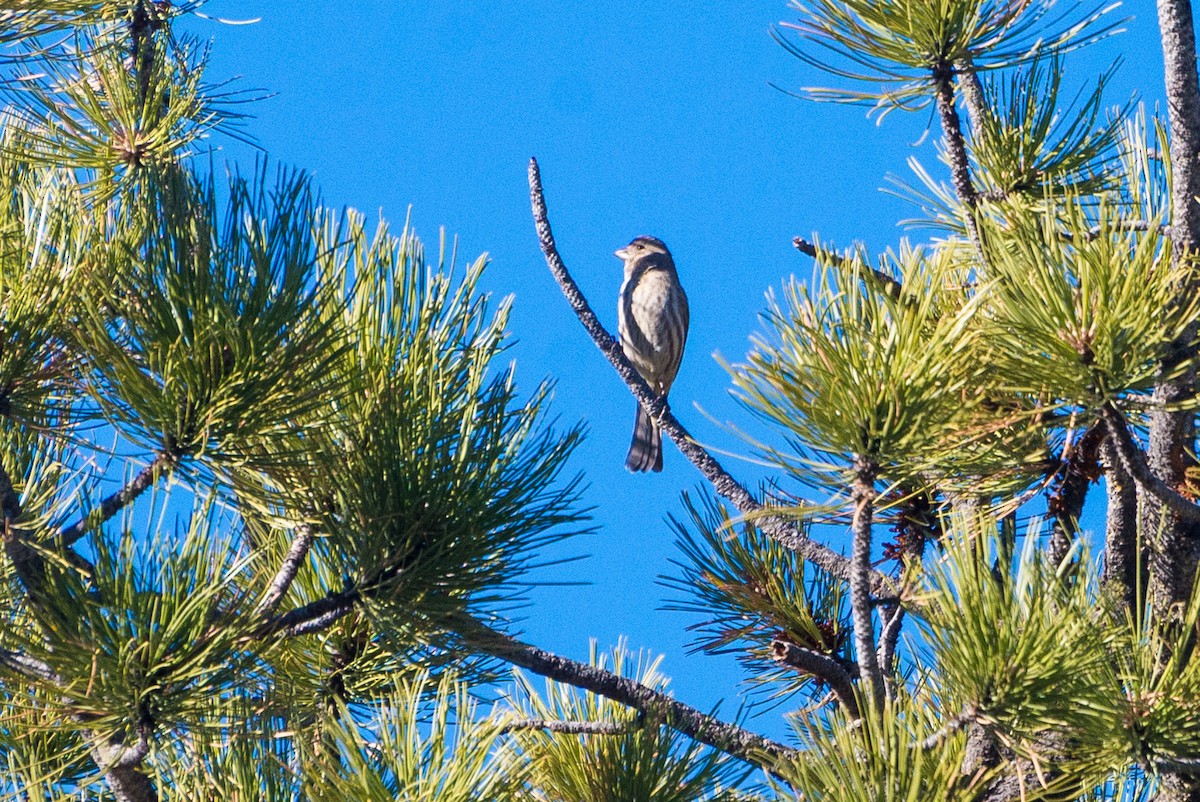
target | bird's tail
[{"x": 645, "y": 452}]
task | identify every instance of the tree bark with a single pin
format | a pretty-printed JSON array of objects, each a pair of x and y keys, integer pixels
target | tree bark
[
  {"x": 1122, "y": 562},
  {"x": 1176, "y": 546},
  {"x": 1176, "y": 549},
  {"x": 862, "y": 496}
]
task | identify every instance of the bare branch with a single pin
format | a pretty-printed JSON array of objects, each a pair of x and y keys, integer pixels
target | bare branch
[
  {"x": 886, "y": 283},
  {"x": 573, "y": 727},
  {"x": 287, "y": 571},
  {"x": 821, "y": 666},
  {"x": 706, "y": 729},
  {"x": 778, "y": 528},
  {"x": 161, "y": 465},
  {"x": 1134, "y": 462},
  {"x": 956, "y": 149},
  {"x": 862, "y": 496},
  {"x": 28, "y": 666},
  {"x": 892, "y": 616},
  {"x": 956, "y": 723},
  {"x": 312, "y": 617}
]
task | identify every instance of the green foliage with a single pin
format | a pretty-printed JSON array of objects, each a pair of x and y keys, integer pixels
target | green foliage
[
  {"x": 425, "y": 742},
  {"x": 439, "y": 484},
  {"x": 752, "y": 591},
  {"x": 145, "y": 640},
  {"x": 643, "y": 761},
  {"x": 1026, "y": 142},
  {"x": 1080, "y": 305},
  {"x": 97, "y": 107},
  {"x": 205, "y": 340},
  {"x": 896, "y": 46},
  {"x": 848, "y": 373},
  {"x": 895, "y": 755},
  {"x": 1011, "y": 646}
]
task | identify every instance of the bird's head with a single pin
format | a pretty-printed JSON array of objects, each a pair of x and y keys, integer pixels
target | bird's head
[{"x": 641, "y": 247}]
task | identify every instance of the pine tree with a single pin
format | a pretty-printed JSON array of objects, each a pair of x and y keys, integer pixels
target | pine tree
[{"x": 330, "y": 488}]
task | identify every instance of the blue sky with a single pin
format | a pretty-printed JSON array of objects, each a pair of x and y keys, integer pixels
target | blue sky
[{"x": 647, "y": 117}]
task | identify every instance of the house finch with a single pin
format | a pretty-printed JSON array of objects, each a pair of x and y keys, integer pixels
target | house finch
[{"x": 653, "y": 321}]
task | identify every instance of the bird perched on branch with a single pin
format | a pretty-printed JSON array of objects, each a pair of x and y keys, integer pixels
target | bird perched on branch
[{"x": 653, "y": 322}]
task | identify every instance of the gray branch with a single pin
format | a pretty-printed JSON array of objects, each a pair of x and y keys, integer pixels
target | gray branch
[
  {"x": 287, "y": 571},
  {"x": 28, "y": 667},
  {"x": 892, "y": 616},
  {"x": 702, "y": 727},
  {"x": 572, "y": 727},
  {"x": 886, "y": 283},
  {"x": 822, "y": 667},
  {"x": 956, "y": 149},
  {"x": 1133, "y": 460},
  {"x": 956, "y": 723},
  {"x": 159, "y": 466},
  {"x": 861, "y": 608},
  {"x": 1173, "y": 558}
]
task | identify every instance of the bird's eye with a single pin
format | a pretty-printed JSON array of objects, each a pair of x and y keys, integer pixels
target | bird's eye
[{"x": 640, "y": 246}]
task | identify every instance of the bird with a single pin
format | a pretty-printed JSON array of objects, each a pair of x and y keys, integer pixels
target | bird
[{"x": 652, "y": 320}]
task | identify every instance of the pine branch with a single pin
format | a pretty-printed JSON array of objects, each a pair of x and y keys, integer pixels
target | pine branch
[
  {"x": 161, "y": 465},
  {"x": 572, "y": 727},
  {"x": 312, "y": 617},
  {"x": 787, "y": 533},
  {"x": 1172, "y": 432},
  {"x": 29, "y": 667},
  {"x": 892, "y": 616},
  {"x": 1122, "y": 567},
  {"x": 821, "y": 666},
  {"x": 28, "y": 563},
  {"x": 706, "y": 729},
  {"x": 287, "y": 571},
  {"x": 956, "y": 149},
  {"x": 886, "y": 283},
  {"x": 120, "y": 766},
  {"x": 973, "y": 94},
  {"x": 1134, "y": 462},
  {"x": 956, "y": 723},
  {"x": 863, "y": 498}
]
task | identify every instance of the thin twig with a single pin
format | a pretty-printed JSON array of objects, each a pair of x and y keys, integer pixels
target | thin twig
[
  {"x": 287, "y": 571},
  {"x": 702, "y": 727},
  {"x": 1093, "y": 233},
  {"x": 1134, "y": 462},
  {"x": 889, "y": 285},
  {"x": 888, "y": 638},
  {"x": 821, "y": 666},
  {"x": 572, "y": 727},
  {"x": 785, "y": 532},
  {"x": 162, "y": 464},
  {"x": 956, "y": 723},
  {"x": 312, "y": 617},
  {"x": 28, "y": 666}
]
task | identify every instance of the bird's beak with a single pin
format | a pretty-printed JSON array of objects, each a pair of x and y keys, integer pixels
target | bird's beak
[{"x": 622, "y": 254}]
